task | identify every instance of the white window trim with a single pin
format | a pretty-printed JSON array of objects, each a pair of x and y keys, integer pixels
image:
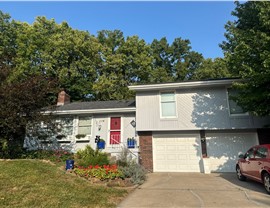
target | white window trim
[
  {"x": 229, "y": 107},
  {"x": 68, "y": 138},
  {"x": 77, "y": 126},
  {"x": 160, "y": 106}
]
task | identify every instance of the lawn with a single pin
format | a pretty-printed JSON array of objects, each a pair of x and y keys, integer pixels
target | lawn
[{"x": 33, "y": 183}]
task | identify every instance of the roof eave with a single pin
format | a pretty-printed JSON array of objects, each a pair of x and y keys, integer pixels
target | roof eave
[
  {"x": 180, "y": 85},
  {"x": 91, "y": 111}
]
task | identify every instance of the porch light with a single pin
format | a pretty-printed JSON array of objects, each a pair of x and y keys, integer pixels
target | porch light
[{"x": 133, "y": 123}]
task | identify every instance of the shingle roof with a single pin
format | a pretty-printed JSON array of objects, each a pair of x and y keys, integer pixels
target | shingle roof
[{"x": 97, "y": 105}]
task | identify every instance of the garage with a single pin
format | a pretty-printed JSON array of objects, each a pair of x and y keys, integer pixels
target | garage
[
  {"x": 177, "y": 153},
  {"x": 223, "y": 149}
]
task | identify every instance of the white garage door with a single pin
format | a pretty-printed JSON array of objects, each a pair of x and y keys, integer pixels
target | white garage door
[
  {"x": 177, "y": 153},
  {"x": 223, "y": 149}
]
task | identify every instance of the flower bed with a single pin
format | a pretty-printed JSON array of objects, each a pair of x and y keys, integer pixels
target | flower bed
[{"x": 104, "y": 172}]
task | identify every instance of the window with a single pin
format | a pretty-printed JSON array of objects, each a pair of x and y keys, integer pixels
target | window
[
  {"x": 168, "y": 106},
  {"x": 234, "y": 108},
  {"x": 250, "y": 153},
  {"x": 85, "y": 125},
  {"x": 261, "y": 152},
  {"x": 65, "y": 126}
]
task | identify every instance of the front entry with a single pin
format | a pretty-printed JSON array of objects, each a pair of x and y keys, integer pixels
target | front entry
[{"x": 115, "y": 130}]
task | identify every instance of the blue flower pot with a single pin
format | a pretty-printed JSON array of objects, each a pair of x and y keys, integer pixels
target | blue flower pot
[
  {"x": 131, "y": 143},
  {"x": 101, "y": 145}
]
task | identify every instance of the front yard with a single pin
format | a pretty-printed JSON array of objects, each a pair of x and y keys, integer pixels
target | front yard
[{"x": 33, "y": 183}]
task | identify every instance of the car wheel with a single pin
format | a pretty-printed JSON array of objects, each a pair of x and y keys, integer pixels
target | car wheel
[
  {"x": 266, "y": 182},
  {"x": 239, "y": 174}
]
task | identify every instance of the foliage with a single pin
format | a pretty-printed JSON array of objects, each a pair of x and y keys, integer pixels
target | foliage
[
  {"x": 20, "y": 105},
  {"x": 175, "y": 62},
  {"x": 213, "y": 69},
  {"x": 130, "y": 168},
  {"x": 88, "y": 156},
  {"x": 101, "y": 172},
  {"x": 34, "y": 183},
  {"x": 52, "y": 155},
  {"x": 134, "y": 171},
  {"x": 247, "y": 53},
  {"x": 79, "y": 136}
]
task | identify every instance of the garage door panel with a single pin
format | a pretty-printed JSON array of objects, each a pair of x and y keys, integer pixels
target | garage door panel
[
  {"x": 177, "y": 154},
  {"x": 223, "y": 149}
]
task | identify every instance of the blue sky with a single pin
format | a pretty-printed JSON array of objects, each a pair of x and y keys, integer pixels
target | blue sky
[{"x": 200, "y": 22}]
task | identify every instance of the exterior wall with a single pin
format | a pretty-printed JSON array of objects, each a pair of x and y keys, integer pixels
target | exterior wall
[
  {"x": 100, "y": 127},
  {"x": 197, "y": 108},
  {"x": 146, "y": 150}
]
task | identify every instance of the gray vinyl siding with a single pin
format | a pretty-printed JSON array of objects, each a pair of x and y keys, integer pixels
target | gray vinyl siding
[{"x": 197, "y": 108}]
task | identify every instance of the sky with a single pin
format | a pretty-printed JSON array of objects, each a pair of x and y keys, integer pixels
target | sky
[{"x": 201, "y": 22}]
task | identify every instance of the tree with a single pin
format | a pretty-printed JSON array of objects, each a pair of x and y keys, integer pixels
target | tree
[
  {"x": 124, "y": 62},
  {"x": 59, "y": 52},
  {"x": 21, "y": 99},
  {"x": 177, "y": 62},
  {"x": 211, "y": 69},
  {"x": 21, "y": 104},
  {"x": 247, "y": 53}
]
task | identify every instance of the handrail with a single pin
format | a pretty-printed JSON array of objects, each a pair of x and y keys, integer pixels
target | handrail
[{"x": 123, "y": 146}]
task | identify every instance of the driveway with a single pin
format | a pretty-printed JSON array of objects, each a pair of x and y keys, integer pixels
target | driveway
[{"x": 196, "y": 190}]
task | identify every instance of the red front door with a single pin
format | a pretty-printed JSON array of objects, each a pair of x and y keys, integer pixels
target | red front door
[{"x": 115, "y": 130}]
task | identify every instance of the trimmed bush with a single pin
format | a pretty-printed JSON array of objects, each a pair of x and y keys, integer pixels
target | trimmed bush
[{"x": 89, "y": 156}]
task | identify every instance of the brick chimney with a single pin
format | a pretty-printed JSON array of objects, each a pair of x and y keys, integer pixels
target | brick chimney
[{"x": 63, "y": 98}]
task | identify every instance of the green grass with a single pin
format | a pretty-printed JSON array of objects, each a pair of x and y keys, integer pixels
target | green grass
[{"x": 33, "y": 183}]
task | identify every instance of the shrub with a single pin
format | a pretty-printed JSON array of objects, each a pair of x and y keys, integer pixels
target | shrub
[
  {"x": 52, "y": 155},
  {"x": 88, "y": 156},
  {"x": 130, "y": 168}
]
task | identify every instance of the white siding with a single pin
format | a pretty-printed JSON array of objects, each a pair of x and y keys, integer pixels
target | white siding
[
  {"x": 223, "y": 149},
  {"x": 201, "y": 108}
]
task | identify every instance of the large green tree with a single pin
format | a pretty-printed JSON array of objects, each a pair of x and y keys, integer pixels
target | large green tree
[
  {"x": 211, "y": 69},
  {"x": 175, "y": 62},
  {"x": 124, "y": 62},
  {"x": 21, "y": 99},
  {"x": 57, "y": 51},
  {"x": 247, "y": 51}
]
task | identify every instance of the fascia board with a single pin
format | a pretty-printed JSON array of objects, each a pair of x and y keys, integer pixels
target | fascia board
[
  {"x": 91, "y": 111},
  {"x": 183, "y": 85}
]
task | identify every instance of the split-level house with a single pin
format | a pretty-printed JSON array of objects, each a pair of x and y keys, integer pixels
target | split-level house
[
  {"x": 190, "y": 126},
  {"x": 194, "y": 126}
]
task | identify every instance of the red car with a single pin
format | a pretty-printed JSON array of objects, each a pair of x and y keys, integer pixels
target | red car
[{"x": 255, "y": 165}]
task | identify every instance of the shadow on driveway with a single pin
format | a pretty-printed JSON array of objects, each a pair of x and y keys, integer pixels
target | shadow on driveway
[{"x": 248, "y": 185}]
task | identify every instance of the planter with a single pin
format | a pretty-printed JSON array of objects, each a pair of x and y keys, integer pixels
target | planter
[
  {"x": 101, "y": 145},
  {"x": 69, "y": 164},
  {"x": 131, "y": 143}
]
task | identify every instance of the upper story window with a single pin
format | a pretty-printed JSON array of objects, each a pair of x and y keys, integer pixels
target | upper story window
[
  {"x": 234, "y": 108},
  {"x": 85, "y": 125},
  {"x": 168, "y": 104}
]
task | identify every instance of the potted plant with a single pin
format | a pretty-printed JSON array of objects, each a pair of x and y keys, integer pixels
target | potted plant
[
  {"x": 131, "y": 142},
  {"x": 101, "y": 144},
  {"x": 79, "y": 136},
  {"x": 60, "y": 136}
]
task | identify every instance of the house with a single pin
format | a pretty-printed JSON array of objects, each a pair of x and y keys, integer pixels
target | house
[
  {"x": 83, "y": 122},
  {"x": 193, "y": 126}
]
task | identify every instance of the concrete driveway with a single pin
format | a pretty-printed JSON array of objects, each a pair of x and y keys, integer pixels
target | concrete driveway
[{"x": 196, "y": 190}]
